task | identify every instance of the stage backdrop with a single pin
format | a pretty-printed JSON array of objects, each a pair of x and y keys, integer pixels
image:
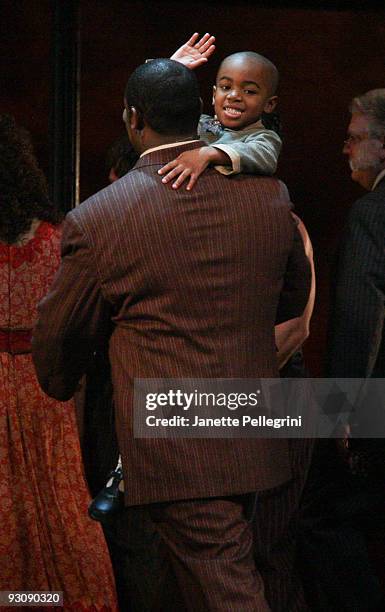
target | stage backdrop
[{"x": 325, "y": 57}]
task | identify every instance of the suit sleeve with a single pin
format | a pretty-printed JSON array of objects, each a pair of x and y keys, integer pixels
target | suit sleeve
[
  {"x": 257, "y": 154},
  {"x": 73, "y": 319},
  {"x": 297, "y": 282},
  {"x": 357, "y": 324},
  {"x": 291, "y": 334}
]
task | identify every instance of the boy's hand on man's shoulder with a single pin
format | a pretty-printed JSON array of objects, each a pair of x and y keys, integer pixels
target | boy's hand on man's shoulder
[{"x": 188, "y": 165}]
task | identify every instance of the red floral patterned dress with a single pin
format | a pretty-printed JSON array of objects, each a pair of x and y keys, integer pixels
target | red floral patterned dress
[{"x": 47, "y": 541}]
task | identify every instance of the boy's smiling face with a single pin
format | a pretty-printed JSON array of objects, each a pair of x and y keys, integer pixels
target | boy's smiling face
[{"x": 244, "y": 90}]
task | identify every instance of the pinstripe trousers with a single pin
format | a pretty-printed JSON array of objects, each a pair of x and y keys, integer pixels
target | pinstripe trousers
[
  {"x": 214, "y": 554},
  {"x": 209, "y": 543}
]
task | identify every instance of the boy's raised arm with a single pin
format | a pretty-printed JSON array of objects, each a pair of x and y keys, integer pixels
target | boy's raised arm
[
  {"x": 191, "y": 164},
  {"x": 195, "y": 52}
]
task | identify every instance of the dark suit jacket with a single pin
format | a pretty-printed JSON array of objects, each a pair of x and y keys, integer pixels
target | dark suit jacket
[
  {"x": 357, "y": 338},
  {"x": 191, "y": 282}
]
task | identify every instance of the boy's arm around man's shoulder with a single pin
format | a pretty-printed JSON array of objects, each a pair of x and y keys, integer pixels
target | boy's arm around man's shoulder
[
  {"x": 256, "y": 153},
  {"x": 74, "y": 318}
]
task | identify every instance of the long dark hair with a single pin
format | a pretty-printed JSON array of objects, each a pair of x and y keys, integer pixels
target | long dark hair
[{"x": 23, "y": 188}]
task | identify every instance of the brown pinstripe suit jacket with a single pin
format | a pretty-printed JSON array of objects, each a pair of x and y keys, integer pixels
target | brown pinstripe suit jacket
[{"x": 189, "y": 283}]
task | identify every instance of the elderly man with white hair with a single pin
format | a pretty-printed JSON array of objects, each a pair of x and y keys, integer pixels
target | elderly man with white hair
[
  {"x": 345, "y": 498},
  {"x": 357, "y": 346}
]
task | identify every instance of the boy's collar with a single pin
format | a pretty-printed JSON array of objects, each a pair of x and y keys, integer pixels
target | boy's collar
[
  {"x": 213, "y": 125},
  {"x": 257, "y": 125}
]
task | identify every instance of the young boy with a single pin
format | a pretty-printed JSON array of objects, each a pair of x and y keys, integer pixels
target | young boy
[{"x": 237, "y": 140}]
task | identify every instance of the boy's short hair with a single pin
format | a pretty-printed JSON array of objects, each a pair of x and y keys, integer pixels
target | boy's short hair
[{"x": 260, "y": 59}]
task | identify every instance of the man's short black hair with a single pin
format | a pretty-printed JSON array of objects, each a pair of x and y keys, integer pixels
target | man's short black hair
[{"x": 166, "y": 94}]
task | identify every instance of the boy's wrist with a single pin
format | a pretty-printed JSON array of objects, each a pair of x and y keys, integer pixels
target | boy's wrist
[{"x": 216, "y": 156}]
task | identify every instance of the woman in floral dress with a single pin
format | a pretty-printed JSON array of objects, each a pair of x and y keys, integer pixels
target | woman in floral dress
[{"x": 47, "y": 541}]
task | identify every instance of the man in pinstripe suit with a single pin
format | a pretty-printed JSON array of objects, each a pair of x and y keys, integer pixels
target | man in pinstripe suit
[
  {"x": 357, "y": 347},
  {"x": 340, "y": 573},
  {"x": 193, "y": 284}
]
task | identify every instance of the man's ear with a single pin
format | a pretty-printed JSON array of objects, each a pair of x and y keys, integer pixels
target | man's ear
[
  {"x": 270, "y": 104},
  {"x": 135, "y": 119},
  {"x": 214, "y": 92}
]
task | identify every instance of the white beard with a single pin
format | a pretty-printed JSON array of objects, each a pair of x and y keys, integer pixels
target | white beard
[
  {"x": 363, "y": 164},
  {"x": 366, "y": 158}
]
